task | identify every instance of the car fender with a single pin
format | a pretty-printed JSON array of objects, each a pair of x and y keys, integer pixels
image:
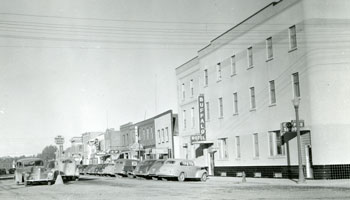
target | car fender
[{"x": 199, "y": 173}]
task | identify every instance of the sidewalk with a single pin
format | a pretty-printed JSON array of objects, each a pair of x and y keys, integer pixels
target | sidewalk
[{"x": 344, "y": 183}]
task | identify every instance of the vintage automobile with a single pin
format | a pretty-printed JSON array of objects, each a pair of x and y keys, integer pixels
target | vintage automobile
[
  {"x": 155, "y": 169},
  {"x": 82, "y": 169},
  {"x": 68, "y": 168},
  {"x": 123, "y": 167},
  {"x": 182, "y": 169},
  {"x": 91, "y": 169},
  {"x": 32, "y": 170},
  {"x": 108, "y": 170},
  {"x": 142, "y": 169}
]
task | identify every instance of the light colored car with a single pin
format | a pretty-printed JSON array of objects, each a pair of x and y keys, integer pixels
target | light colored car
[
  {"x": 108, "y": 170},
  {"x": 68, "y": 168},
  {"x": 181, "y": 169},
  {"x": 32, "y": 170}
]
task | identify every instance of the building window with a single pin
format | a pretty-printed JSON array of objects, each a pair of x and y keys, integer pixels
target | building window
[
  {"x": 275, "y": 144},
  {"x": 250, "y": 57},
  {"x": 124, "y": 141},
  {"x": 159, "y": 138},
  {"x": 292, "y": 38},
  {"x": 191, "y": 88},
  {"x": 151, "y": 132},
  {"x": 183, "y": 91},
  {"x": 184, "y": 118},
  {"x": 206, "y": 77},
  {"x": 269, "y": 51},
  {"x": 127, "y": 138},
  {"x": 207, "y": 108},
  {"x": 167, "y": 134},
  {"x": 192, "y": 117},
  {"x": 221, "y": 108},
  {"x": 163, "y": 136},
  {"x": 238, "y": 147},
  {"x": 222, "y": 146},
  {"x": 256, "y": 145},
  {"x": 272, "y": 92},
  {"x": 218, "y": 72},
  {"x": 296, "y": 85},
  {"x": 252, "y": 98},
  {"x": 233, "y": 65},
  {"x": 235, "y": 103}
]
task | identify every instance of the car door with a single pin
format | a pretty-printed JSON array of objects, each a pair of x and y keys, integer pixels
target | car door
[{"x": 191, "y": 169}]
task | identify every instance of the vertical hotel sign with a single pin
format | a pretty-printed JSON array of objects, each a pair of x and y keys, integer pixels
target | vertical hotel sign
[{"x": 202, "y": 130}]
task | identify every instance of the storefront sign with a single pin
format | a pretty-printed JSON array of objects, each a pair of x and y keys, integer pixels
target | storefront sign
[{"x": 201, "y": 109}]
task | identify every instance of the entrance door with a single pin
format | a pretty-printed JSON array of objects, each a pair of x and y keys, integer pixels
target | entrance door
[{"x": 211, "y": 163}]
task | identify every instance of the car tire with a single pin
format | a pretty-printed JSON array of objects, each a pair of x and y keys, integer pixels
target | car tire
[
  {"x": 204, "y": 177},
  {"x": 181, "y": 177}
]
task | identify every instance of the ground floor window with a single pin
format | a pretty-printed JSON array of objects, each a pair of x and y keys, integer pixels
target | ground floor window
[
  {"x": 276, "y": 148},
  {"x": 222, "y": 146}
]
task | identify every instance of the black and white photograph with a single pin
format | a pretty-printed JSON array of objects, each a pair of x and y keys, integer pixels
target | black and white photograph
[{"x": 174, "y": 99}]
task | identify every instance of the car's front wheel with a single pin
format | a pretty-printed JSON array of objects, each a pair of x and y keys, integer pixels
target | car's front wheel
[
  {"x": 204, "y": 177},
  {"x": 181, "y": 177}
]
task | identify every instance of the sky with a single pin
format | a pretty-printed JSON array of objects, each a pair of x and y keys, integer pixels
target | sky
[{"x": 69, "y": 67}]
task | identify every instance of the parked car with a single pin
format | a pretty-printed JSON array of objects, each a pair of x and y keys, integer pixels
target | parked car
[
  {"x": 32, "y": 170},
  {"x": 82, "y": 169},
  {"x": 108, "y": 170},
  {"x": 182, "y": 169},
  {"x": 123, "y": 167},
  {"x": 12, "y": 170},
  {"x": 155, "y": 169},
  {"x": 68, "y": 168},
  {"x": 142, "y": 169},
  {"x": 91, "y": 169},
  {"x": 2, "y": 171}
]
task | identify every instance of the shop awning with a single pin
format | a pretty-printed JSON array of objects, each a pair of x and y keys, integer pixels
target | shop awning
[{"x": 203, "y": 142}]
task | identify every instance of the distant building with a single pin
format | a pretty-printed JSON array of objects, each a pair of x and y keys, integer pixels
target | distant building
[
  {"x": 130, "y": 147},
  {"x": 248, "y": 77},
  {"x": 89, "y": 147}
]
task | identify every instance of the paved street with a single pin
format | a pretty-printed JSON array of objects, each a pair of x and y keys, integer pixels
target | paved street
[{"x": 90, "y": 187}]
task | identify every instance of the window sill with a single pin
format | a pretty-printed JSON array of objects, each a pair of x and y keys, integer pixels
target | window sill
[
  {"x": 255, "y": 158},
  {"x": 235, "y": 114},
  {"x": 252, "y": 110},
  {"x": 218, "y": 81},
  {"x": 221, "y": 118},
  {"x": 238, "y": 159},
  {"x": 272, "y": 105},
  {"x": 277, "y": 157},
  {"x": 250, "y": 67},
  {"x": 291, "y": 50},
  {"x": 232, "y": 75},
  {"x": 269, "y": 59}
]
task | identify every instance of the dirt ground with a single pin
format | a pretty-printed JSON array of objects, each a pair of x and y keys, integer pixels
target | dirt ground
[{"x": 90, "y": 187}]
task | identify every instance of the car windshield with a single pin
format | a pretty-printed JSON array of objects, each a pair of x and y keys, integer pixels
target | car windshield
[
  {"x": 34, "y": 163},
  {"x": 170, "y": 162},
  {"x": 67, "y": 161}
]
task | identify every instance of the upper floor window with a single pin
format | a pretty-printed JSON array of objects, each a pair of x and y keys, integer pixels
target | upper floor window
[
  {"x": 269, "y": 50},
  {"x": 250, "y": 57},
  {"x": 221, "y": 108},
  {"x": 207, "y": 109},
  {"x": 192, "y": 117},
  {"x": 296, "y": 85},
  {"x": 167, "y": 134},
  {"x": 235, "y": 103},
  {"x": 163, "y": 135},
  {"x": 184, "y": 118},
  {"x": 252, "y": 98},
  {"x": 272, "y": 92},
  {"x": 292, "y": 38},
  {"x": 218, "y": 71},
  {"x": 183, "y": 91},
  {"x": 206, "y": 77},
  {"x": 233, "y": 65},
  {"x": 191, "y": 88},
  {"x": 159, "y": 138}
]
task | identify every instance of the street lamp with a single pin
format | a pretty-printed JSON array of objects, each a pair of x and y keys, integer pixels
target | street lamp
[{"x": 296, "y": 103}]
